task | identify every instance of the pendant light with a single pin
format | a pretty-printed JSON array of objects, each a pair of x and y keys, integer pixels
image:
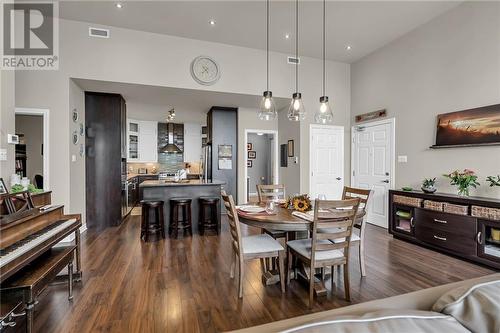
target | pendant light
[
  {"x": 267, "y": 107},
  {"x": 296, "y": 110},
  {"x": 324, "y": 114}
]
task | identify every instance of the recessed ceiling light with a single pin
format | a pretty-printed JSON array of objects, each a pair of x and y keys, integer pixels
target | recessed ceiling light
[
  {"x": 119, "y": 5},
  {"x": 212, "y": 22},
  {"x": 260, "y": 134},
  {"x": 287, "y": 36},
  {"x": 348, "y": 48}
]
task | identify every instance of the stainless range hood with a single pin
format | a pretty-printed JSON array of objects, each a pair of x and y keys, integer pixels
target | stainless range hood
[{"x": 170, "y": 147}]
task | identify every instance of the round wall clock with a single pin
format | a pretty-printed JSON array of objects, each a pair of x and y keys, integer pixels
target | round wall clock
[{"x": 205, "y": 70}]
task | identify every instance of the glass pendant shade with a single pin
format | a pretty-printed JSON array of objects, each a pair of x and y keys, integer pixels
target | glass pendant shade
[
  {"x": 324, "y": 114},
  {"x": 296, "y": 110},
  {"x": 267, "y": 107}
]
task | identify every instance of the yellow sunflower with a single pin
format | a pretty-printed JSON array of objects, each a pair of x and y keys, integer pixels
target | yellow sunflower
[{"x": 301, "y": 204}]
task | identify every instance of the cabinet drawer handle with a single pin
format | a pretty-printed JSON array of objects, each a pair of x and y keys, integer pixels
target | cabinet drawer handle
[
  {"x": 440, "y": 221},
  {"x": 412, "y": 222},
  {"x": 479, "y": 238},
  {"x": 440, "y": 238}
]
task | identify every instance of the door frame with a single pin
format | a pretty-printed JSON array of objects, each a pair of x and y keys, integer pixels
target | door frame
[
  {"x": 392, "y": 123},
  {"x": 276, "y": 156},
  {"x": 333, "y": 127},
  {"x": 46, "y": 133}
]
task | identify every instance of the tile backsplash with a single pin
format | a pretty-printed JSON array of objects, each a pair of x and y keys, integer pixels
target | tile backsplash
[{"x": 166, "y": 162}]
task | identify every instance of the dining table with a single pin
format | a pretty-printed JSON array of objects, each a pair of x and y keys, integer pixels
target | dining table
[{"x": 281, "y": 219}]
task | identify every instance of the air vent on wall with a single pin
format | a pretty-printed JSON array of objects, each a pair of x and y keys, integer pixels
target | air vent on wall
[
  {"x": 293, "y": 60},
  {"x": 98, "y": 32}
]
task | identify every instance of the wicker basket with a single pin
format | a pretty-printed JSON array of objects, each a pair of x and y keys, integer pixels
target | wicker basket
[
  {"x": 407, "y": 201},
  {"x": 486, "y": 212},
  {"x": 434, "y": 205},
  {"x": 456, "y": 209}
]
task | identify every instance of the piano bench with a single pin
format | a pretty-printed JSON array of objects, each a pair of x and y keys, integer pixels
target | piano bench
[{"x": 34, "y": 278}]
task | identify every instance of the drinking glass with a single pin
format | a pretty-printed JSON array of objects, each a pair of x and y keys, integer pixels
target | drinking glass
[
  {"x": 321, "y": 196},
  {"x": 271, "y": 206}
]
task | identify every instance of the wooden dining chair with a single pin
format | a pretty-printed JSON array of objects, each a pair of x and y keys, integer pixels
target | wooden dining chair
[
  {"x": 264, "y": 194},
  {"x": 359, "y": 223},
  {"x": 319, "y": 251},
  {"x": 250, "y": 247}
]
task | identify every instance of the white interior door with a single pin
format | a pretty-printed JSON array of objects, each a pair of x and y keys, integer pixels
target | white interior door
[
  {"x": 326, "y": 161},
  {"x": 373, "y": 166}
]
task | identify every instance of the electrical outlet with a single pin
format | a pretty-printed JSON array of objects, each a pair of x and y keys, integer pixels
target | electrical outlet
[{"x": 402, "y": 159}]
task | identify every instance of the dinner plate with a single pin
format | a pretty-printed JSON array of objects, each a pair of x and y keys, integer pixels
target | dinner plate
[{"x": 252, "y": 209}]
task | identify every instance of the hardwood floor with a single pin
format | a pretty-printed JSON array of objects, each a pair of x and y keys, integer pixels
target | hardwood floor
[{"x": 184, "y": 286}]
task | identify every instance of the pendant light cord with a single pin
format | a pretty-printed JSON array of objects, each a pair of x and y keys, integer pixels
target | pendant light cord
[
  {"x": 324, "y": 47},
  {"x": 296, "y": 46},
  {"x": 267, "y": 45}
]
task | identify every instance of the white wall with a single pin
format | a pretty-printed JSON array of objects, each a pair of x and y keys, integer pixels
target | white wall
[
  {"x": 7, "y": 122},
  {"x": 450, "y": 64},
  {"x": 153, "y": 59},
  {"x": 77, "y": 168}
]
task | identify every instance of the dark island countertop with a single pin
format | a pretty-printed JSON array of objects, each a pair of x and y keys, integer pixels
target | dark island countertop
[{"x": 193, "y": 182}]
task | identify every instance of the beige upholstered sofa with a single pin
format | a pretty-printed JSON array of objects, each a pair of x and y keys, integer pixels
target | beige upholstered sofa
[{"x": 467, "y": 306}]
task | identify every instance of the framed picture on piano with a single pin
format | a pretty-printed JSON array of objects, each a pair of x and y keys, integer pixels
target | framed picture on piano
[{"x": 3, "y": 188}]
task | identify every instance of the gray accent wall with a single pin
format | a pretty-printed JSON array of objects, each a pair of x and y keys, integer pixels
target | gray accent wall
[{"x": 450, "y": 64}]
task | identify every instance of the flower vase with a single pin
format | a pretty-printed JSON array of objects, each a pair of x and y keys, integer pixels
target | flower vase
[{"x": 464, "y": 192}]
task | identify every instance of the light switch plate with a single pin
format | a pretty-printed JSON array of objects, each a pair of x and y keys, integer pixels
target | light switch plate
[
  {"x": 402, "y": 159},
  {"x": 3, "y": 154},
  {"x": 13, "y": 139},
  {"x": 73, "y": 158}
]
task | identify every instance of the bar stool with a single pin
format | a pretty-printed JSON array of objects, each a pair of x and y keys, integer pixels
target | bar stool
[
  {"x": 208, "y": 217},
  {"x": 182, "y": 205},
  {"x": 155, "y": 227}
]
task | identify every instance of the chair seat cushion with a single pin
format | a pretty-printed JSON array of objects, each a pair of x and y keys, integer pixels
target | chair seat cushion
[
  {"x": 260, "y": 244},
  {"x": 354, "y": 236},
  {"x": 303, "y": 247}
]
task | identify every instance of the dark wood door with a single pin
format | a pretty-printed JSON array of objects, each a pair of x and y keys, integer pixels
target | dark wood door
[{"x": 103, "y": 163}]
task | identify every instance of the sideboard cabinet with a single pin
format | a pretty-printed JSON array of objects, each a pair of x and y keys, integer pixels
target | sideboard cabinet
[{"x": 467, "y": 227}]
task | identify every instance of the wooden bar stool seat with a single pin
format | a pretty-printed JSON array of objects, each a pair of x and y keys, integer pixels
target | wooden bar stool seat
[
  {"x": 208, "y": 216},
  {"x": 180, "y": 221},
  {"x": 157, "y": 225}
]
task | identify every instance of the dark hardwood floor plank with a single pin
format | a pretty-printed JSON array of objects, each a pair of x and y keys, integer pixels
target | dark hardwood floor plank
[{"x": 184, "y": 285}]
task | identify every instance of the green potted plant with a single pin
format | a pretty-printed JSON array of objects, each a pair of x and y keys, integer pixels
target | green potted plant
[
  {"x": 429, "y": 185},
  {"x": 463, "y": 180}
]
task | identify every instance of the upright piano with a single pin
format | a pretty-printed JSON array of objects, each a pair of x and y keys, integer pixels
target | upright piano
[{"x": 27, "y": 238}]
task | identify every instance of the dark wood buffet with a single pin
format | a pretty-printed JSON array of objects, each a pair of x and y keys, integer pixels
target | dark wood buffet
[{"x": 466, "y": 227}]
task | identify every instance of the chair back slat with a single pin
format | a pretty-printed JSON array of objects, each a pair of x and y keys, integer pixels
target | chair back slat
[
  {"x": 234, "y": 222},
  {"x": 267, "y": 192},
  {"x": 333, "y": 220},
  {"x": 362, "y": 194},
  {"x": 331, "y": 246}
]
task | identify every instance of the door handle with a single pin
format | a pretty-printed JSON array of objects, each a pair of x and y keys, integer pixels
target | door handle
[
  {"x": 440, "y": 221},
  {"x": 338, "y": 178},
  {"x": 386, "y": 181}
]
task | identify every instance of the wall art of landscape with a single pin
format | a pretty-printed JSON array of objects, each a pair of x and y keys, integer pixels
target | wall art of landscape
[{"x": 479, "y": 126}]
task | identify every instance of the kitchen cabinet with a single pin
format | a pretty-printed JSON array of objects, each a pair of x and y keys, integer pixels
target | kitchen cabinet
[
  {"x": 192, "y": 142},
  {"x": 142, "y": 140}
]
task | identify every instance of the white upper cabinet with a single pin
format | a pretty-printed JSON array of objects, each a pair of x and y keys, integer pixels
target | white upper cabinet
[
  {"x": 142, "y": 141},
  {"x": 192, "y": 142}
]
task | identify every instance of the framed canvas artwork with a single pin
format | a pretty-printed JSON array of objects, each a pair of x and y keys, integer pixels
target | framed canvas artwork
[
  {"x": 473, "y": 127},
  {"x": 252, "y": 154}
]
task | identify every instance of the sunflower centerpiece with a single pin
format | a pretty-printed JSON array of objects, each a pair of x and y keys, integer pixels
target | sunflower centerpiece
[{"x": 301, "y": 203}]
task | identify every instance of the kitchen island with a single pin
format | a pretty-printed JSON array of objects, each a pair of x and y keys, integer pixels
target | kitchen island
[{"x": 194, "y": 189}]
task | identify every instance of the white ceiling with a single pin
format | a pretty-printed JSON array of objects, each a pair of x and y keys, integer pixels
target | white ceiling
[
  {"x": 152, "y": 102},
  {"x": 365, "y": 25}
]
